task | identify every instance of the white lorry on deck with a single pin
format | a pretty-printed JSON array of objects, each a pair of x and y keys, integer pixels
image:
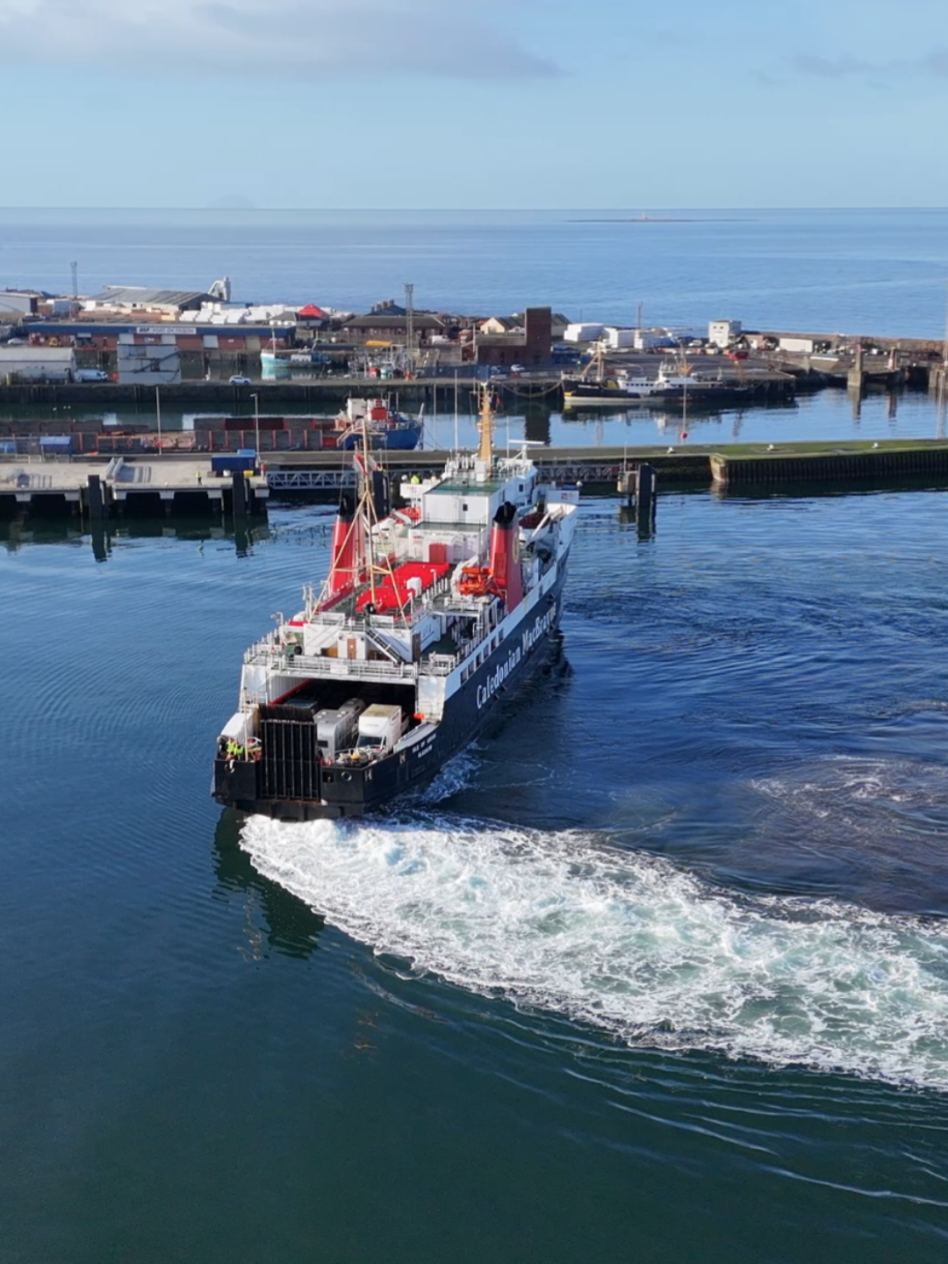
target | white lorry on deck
[
  {"x": 380, "y": 726},
  {"x": 337, "y": 730}
]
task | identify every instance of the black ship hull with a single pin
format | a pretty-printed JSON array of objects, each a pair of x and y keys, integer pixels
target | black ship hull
[
  {"x": 578, "y": 394},
  {"x": 292, "y": 783}
]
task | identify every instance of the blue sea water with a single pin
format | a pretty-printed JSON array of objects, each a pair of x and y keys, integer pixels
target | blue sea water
[
  {"x": 869, "y": 272},
  {"x": 657, "y": 970}
]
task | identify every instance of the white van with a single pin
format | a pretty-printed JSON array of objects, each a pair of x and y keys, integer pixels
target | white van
[{"x": 91, "y": 375}]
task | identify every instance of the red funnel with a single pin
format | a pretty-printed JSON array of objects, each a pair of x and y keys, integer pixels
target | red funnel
[{"x": 505, "y": 571}]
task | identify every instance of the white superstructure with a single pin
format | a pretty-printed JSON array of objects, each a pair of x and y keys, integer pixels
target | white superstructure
[{"x": 427, "y": 613}]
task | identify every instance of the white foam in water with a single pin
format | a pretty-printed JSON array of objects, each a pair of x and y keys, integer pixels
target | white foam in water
[
  {"x": 630, "y": 943},
  {"x": 452, "y": 778}
]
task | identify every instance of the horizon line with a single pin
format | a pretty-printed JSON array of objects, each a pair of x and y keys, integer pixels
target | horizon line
[{"x": 387, "y": 210}]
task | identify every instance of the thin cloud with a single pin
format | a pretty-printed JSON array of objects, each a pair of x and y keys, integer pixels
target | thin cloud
[
  {"x": 299, "y": 39},
  {"x": 844, "y": 67},
  {"x": 674, "y": 39},
  {"x": 833, "y": 67}
]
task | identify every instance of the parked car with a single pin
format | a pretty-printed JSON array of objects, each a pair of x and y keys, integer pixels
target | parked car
[{"x": 238, "y": 379}]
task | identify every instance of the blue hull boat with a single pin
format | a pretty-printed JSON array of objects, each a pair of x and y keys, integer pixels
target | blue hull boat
[{"x": 383, "y": 427}]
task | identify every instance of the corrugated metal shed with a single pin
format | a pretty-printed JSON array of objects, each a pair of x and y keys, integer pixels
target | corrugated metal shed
[
  {"x": 105, "y": 327},
  {"x": 38, "y": 363},
  {"x": 420, "y": 320},
  {"x": 141, "y": 296}
]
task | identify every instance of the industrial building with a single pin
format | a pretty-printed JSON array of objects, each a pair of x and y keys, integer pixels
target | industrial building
[
  {"x": 721, "y": 333},
  {"x": 583, "y": 332},
  {"x": 142, "y": 299},
  {"x": 387, "y": 322},
  {"x": 148, "y": 361},
  {"x": 515, "y": 324},
  {"x": 37, "y": 364},
  {"x": 15, "y": 304},
  {"x": 530, "y": 346}
]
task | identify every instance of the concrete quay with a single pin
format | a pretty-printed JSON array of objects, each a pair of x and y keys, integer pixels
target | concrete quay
[
  {"x": 854, "y": 463},
  {"x": 603, "y": 471},
  {"x": 185, "y": 486},
  {"x": 184, "y": 483},
  {"x": 326, "y": 395},
  {"x": 108, "y": 488},
  {"x": 306, "y": 394}
]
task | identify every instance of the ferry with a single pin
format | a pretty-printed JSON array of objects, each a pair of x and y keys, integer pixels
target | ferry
[{"x": 429, "y": 615}]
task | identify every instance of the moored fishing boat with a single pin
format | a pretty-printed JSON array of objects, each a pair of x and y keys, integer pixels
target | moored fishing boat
[
  {"x": 385, "y": 428},
  {"x": 428, "y": 615},
  {"x": 672, "y": 388}
]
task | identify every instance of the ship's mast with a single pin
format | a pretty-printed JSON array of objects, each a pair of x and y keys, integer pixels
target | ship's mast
[
  {"x": 486, "y": 450},
  {"x": 368, "y": 503}
]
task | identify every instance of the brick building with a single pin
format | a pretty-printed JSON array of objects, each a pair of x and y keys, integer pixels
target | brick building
[{"x": 530, "y": 346}]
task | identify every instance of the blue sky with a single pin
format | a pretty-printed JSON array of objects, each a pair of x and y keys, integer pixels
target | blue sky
[{"x": 502, "y": 103}]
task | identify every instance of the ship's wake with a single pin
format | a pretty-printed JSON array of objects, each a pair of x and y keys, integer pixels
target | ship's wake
[{"x": 629, "y": 942}]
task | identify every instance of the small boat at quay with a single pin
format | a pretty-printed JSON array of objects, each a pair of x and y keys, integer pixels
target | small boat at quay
[
  {"x": 429, "y": 615},
  {"x": 386, "y": 429},
  {"x": 675, "y": 386},
  {"x": 665, "y": 390}
]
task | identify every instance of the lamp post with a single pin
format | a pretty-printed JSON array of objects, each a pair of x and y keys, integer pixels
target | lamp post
[
  {"x": 410, "y": 325},
  {"x": 256, "y": 426},
  {"x": 158, "y": 411}
]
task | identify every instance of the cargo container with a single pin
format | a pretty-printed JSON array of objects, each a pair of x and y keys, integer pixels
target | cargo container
[{"x": 243, "y": 462}]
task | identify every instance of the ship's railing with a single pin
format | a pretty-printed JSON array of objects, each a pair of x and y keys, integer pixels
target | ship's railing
[
  {"x": 310, "y": 480},
  {"x": 461, "y": 605},
  {"x": 265, "y": 650},
  {"x": 441, "y": 664},
  {"x": 359, "y": 621},
  {"x": 304, "y": 666}
]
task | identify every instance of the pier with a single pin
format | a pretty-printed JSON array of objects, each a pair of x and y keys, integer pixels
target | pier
[
  {"x": 120, "y": 487},
  {"x": 304, "y": 394},
  {"x": 327, "y": 394},
  {"x": 185, "y": 484},
  {"x": 849, "y": 463}
]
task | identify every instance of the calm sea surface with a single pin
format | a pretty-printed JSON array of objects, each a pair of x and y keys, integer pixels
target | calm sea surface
[
  {"x": 851, "y": 272},
  {"x": 874, "y": 271},
  {"x": 657, "y": 970}
]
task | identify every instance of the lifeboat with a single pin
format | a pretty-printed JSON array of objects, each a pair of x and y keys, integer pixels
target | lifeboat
[{"x": 474, "y": 581}]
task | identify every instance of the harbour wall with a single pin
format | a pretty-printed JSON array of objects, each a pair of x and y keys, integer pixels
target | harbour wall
[{"x": 185, "y": 484}]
